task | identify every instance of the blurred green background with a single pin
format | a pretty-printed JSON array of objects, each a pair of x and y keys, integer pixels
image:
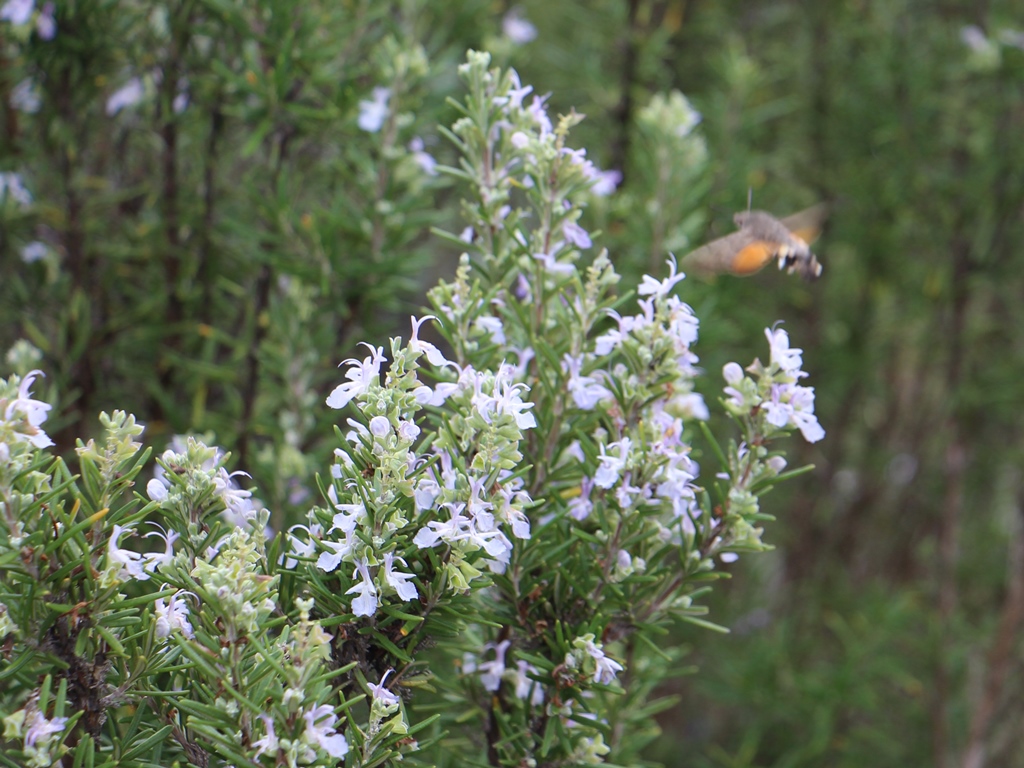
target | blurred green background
[{"x": 209, "y": 252}]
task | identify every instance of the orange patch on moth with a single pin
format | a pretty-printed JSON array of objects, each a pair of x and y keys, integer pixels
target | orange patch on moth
[{"x": 751, "y": 258}]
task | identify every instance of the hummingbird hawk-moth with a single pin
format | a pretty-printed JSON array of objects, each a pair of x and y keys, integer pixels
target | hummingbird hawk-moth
[{"x": 762, "y": 238}]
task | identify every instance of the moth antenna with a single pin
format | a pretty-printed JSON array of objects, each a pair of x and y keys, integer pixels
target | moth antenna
[{"x": 750, "y": 198}]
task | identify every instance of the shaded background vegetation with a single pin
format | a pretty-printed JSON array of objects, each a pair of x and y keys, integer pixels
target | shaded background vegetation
[{"x": 207, "y": 268}]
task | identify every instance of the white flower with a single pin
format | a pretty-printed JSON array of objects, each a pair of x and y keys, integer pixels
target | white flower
[
  {"x": 423, "y": 159},
  {"x": 504, "y": 399},
  {"x": 514, "y": 516},
  {"x": 625, "y": 493},
  {"x": 691, "y": 405},
  {"x": 585, "y": 390},
  {"x": 154, "y": 561},
  {"x": 651, "y": 287},
  {"x": 793, "y": 405},
  {"x": 408, "y": 431},
  {"x": 606, "y": 668},
  {"x": 382, "y": 694},
  {"x": 539, "y": 112},
  {"x": 236, "y": 499},
  {"x": 324, "y": 732},
  {"x": 398, "y": 581},
  {"x": 802, "y": 401},
  {"x": 682, "y": 324},
  {"x": 132, "y": 564},
  {"x": 358, "y": 434},
  {"x": 33, "y": 412},
  {"x": 491, "y": 671},
  {"x": 128, "y": 95},
  {"x": 576, "y": 234},
  {"x": 580, "y": 507},
  {"x": 348, "y": 516},
  {"x": 493, "y": 326},
  {"x": 426, "y": 396},
  {"x": 494, "y": 543},
  {"x": 605, "y": 343},
  {"x": 380, "y": 426},
  {"x": 450, "y": 531},
  {"x": 156, "y": 489},
  {"x": 25, "y": 97},
  {"x": 974, "y": 38},
  {"x": 553, "y": 265},
  {"x": 527, "y": 687},
  {"x": 366, "y": 601},
  {"x": 434, "y": 355},
  {"x": 517, "y": 92},
  {"x": 510, "y": 402},
  {"x": 18, "y": 12},
  {"x": 426, "y": 493},
  {"x": 732, "y": 373},
  {"x": 611, "y": 466},
  {"x": 33, "y": 252},
  {"x": 361, "y": 376},
  {"x": 172, "y": 616},
  {"x": 12, "y": 186},
  {"x": 269, "y": 742},
  {"x": 38, "y": 728},
  {"x": 46, "y": 24},
  {"x": 789, "y": 360},
  {"x": 374, "y": 111},
  {"x": 517, "y": 28},
  {"x": 304, "y": 548},
  {"x": 339, "y": 550},
  {"x": 605, "y": 182}
]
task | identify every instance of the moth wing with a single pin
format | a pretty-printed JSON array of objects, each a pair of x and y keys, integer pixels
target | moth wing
[
  {"x": 738, "y": 253},
  {"x": 807, "y": 224}
]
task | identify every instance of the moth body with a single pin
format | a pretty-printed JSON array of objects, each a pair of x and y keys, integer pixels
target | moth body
[{"x": 762, "y": 238}]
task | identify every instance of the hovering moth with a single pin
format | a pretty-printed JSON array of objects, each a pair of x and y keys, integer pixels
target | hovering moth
[{"x": 762, "y": 238}]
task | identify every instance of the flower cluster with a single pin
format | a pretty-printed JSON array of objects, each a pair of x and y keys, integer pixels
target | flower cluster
[
  {"x": 191, "y": 474},
  {"x": 244, "y": 596},
  {"x": 460, "y": 492},
  {"x": 624, "y": 518},
  {"x": 315, "y": 728},
  {"x": 589, "y": 660},
  {"x": 774, "y": 394}
]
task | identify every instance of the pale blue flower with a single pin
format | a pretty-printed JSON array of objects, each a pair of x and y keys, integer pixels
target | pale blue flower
[
  {"x": 128, "y": 95},
  {"x": 320, "y": 729},
  {"x": 25, "y": 97},
  {"x": 18, "y": 12},
  {"x": 517, "y": 28},
  {"x": 382, "y": 694},
  {"x": 374, "y": 111}
]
